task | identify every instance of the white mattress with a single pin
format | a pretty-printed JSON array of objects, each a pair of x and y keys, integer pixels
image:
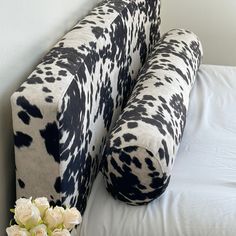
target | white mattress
[{"x": 201, "y": 197}]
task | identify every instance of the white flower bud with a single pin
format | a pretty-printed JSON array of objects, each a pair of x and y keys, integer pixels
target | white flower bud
[
  {"x": 23, "y": 201},
  {"x": 39, "y": 230},
  {"x": 54, "y": 217},
  {"x": 16, "y": 230},
  {"x": 42, "y": 204},
  {"x": 60, "y": 232},
  {"x": 72, "y": 217},
  {"x": 26, "y": 213}
]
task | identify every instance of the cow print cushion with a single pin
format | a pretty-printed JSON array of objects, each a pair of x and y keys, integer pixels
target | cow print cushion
[
  {"x": 63, "y": 112},
  {"x": 140, "y": 153}
]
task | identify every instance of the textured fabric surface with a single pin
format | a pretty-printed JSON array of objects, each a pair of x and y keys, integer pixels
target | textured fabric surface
[
  {"x": 140, "y": 153},
  {"x": 63, "y": 112},
  {"x": 201, "y": 196}
]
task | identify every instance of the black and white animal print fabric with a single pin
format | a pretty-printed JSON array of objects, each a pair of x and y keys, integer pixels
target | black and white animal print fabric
[
  {"x": 140, "y": 153},
  {"x": 63, "y": 112}
]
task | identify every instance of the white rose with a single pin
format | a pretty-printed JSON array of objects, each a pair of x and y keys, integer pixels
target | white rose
[
  {"x": 54, "y": 217},
  {"x": 23, "y": 201},
  {"x": 60, "y": 232},
  {"x": 72, "y": 217},
  {"x": 16, "y": 230},
  {"x": 42, "y": 204},
  {"x": 39, "y": 230},
  {"x": 26, "y": 213}
]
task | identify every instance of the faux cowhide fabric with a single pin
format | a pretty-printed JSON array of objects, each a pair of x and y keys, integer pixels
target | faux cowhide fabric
[
  {"x": 140, "y": 153},
  {"x": 63, "y": 112}
]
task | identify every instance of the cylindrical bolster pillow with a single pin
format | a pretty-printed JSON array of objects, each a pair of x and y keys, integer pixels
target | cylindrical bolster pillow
[{"x": 141, "y": 149}]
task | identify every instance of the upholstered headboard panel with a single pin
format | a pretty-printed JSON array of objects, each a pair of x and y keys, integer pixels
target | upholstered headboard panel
[{"x": 63, "y": 112}]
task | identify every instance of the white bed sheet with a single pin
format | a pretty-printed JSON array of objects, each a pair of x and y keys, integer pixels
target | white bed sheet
[{"x": 201, "y": 197}]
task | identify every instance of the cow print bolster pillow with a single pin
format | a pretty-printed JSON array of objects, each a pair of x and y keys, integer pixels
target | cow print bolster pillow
[{"x": 140, "y": 152}]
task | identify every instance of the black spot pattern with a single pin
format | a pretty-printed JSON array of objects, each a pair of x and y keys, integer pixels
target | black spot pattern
[
  {"x": 34, "y": 80},
  {"x": 78, "y": 91},
  {"x": 49, "y": 99},
  {"x": 22, "y": 139},
  {"x": 137, "y": 168},
  {"x": 50, "y": 79},
  {"x": 132, "y": 125},
  {"x": 24, "y": 117},
  {"x": 21, "y": 183},
  {"x": 46, "y": 90},
  {"x": 51, "y": 137},
  {"x": 127, "y": 137},
  {"x": 57, "y": 184},
  {"x": 32, "y": 110}
]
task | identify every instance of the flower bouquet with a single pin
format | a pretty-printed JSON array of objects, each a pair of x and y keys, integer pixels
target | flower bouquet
[{"x": 37, "y": 218}]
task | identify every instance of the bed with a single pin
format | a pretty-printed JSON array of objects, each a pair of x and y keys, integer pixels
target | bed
[
  {"x": 64, "y": 112},
  {"x": 201, "y": 197}
]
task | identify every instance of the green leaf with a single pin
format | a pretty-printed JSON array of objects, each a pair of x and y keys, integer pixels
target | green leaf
[
  {"x": 60, "y": 226},
  {"x": 41, "y": 222},
  {"x": 12, "y": 210},
  {"x": 49, "y": 232},
  {"x": 11, "y": 222}
]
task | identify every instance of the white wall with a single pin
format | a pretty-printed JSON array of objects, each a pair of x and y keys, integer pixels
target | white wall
[
  {"x": 28, "y": 28},
  {"x": 214, "y": 21}
]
